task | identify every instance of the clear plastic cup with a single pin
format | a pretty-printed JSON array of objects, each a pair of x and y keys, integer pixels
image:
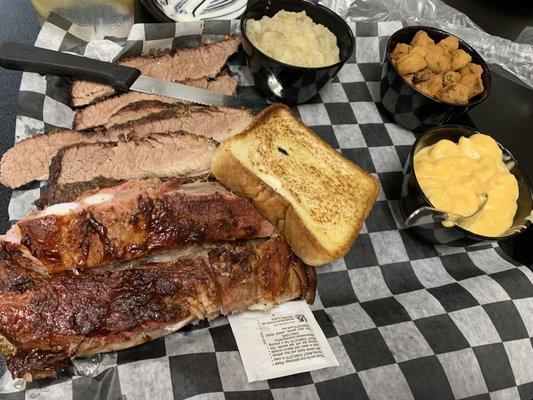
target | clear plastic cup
[{"x": 106, "y": 17}]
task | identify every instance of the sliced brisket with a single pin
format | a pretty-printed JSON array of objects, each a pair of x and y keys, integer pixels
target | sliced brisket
[
  {"x": 223, "y": 84},
  {"x": 205, "y": 61},
  {"x": 125, "y": 107},
  {"x": 133, "y": 220},
  {"x": 135, "y": 111},
  {"x": 30, "y": 159},
  {"x": 218, "y": 123},
  {"x": 53, "y": 318},
  {"x": 158, "y": 155},
  {"x": 86, "y": 166}
]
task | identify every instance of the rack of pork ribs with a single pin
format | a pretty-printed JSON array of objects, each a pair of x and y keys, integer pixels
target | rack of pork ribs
[{"x": 124, "y": 265}]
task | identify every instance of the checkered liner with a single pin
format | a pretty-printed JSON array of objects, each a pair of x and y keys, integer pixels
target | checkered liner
[{"x": 405, "y": 319}]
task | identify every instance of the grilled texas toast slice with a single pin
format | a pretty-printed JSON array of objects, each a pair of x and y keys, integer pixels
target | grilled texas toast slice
[{"x": 317, "y": 198}]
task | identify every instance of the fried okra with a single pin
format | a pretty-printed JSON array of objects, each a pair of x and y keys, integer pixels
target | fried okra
[
  {"x": 460, "y": 59},
  {"x": 410, "y": 63},
  {"x": 451, "y": 78},
  {"x": 456, "y": 94},
  {"x": 400, "y": 50},
  {"x": 432, "y": 87},
  {"x": 421, "y": 38},
  {"x": 441, "y": 70},
  {"x": 450, "y": 43},
  {"x": 438, "y": 60}
]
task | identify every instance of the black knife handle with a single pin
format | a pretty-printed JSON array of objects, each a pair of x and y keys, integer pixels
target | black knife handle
[{"x": 34, "y": 59}]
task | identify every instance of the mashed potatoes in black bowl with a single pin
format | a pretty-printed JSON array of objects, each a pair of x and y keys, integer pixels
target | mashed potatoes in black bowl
[
  {"x": 294, "y": 47},
  {"x": 293, "y": 38}
]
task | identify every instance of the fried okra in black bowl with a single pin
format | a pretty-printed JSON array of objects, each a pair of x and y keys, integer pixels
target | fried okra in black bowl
[{"x": 429, "y": 76}]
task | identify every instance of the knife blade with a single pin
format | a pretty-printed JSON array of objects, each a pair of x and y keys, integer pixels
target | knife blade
[
  {"x": 147, "y": 84},
  {"x": 24, "y": 57}
]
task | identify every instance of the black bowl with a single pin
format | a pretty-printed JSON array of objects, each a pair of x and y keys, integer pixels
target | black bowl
[
  {"x": 415, "y": 110},
  {"x": 288, "y": 83},
  {"x": 413, "y": 199}
]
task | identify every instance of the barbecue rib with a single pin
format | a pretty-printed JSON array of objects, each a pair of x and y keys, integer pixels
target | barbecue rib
[
  {"x": 135, "y": 219},
  {"x": 205, "y": 61},
  {"x": 45, "y": 321},
  {"x": 106, "y": 164},
  {"x": 125, "y": 107},
  {"x": 30, "y": 159}
]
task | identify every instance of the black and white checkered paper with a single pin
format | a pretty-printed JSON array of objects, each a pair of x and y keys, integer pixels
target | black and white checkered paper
[{"x": 405, "y": 319}]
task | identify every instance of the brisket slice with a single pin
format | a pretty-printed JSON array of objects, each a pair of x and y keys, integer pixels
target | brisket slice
[
  {"x": 95, "y": 92},
  {"x": 135, "y": 111},
  {"x": 217, "y": 123},
  {"x": 125, "y": 107},
  {"x": 45, "y": 320},
  {"x": 85, "y": 166},
  {"x": 158, "y": 155},
  {"x": 135, "y": 219},
  {"x": 185, "y": 66},
  {"x": 30, "y": 159}
]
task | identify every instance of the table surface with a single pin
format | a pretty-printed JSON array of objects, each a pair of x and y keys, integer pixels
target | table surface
[{"x": 506, "y": 114}]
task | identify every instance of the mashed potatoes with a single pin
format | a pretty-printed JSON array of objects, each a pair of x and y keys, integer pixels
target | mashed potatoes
[{"x": 293, "y": 38}]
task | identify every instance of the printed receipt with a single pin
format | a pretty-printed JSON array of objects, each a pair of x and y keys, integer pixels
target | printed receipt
[{"x": 279, "y": 342}]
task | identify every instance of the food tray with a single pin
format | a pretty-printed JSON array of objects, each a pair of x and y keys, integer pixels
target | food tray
[{"x": 405, "y": 319}]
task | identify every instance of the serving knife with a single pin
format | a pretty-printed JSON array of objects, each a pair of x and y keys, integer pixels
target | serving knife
[{"x": 28, "y": 58}]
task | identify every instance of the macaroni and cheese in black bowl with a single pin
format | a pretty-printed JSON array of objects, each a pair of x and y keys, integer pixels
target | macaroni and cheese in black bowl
[{"x": 426, "y": 224}]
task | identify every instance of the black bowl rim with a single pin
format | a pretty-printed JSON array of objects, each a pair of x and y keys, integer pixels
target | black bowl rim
[
  {"x": 470, "y": 49},
  {"x": 473, "y": 131},
  {"x": 308, "y": 4},
  {"x": 156, "y": 12}
]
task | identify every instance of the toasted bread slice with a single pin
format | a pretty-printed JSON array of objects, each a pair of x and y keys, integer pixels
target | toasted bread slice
[{"x": 317, "y": 198}]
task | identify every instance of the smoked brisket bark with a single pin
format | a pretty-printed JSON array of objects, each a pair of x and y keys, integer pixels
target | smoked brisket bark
[
  {"x": 217, "y": 123},
  {"x": 53, "y": 193}
]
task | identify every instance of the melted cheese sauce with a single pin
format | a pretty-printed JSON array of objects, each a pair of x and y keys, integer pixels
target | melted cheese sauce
[
  {"x": 454, "y": 177},
  {"x": 293, "y": 38}
]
